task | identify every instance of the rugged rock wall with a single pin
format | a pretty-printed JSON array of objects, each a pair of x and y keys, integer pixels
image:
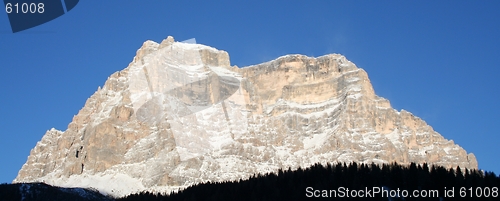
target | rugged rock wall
[{"x": 180, "y": 114}]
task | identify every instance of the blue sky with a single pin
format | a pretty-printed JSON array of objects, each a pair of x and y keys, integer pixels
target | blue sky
[{"x": 438, "y": 60}]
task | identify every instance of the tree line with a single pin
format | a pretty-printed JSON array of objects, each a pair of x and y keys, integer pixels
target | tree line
[
  {"x": 330, "y": 182},
  {"x": 341, "y": 181}
]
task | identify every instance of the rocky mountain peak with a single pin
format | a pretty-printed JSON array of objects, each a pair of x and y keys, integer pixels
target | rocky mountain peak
[{"x": 179, "y": 114}]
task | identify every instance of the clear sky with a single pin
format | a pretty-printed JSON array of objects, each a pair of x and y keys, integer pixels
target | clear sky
[{"x": 439, "y": 60}]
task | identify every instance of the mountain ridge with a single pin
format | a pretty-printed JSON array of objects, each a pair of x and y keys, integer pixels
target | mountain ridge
[{"x": 180, "y": 114}]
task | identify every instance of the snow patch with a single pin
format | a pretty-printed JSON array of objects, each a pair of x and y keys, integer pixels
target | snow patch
[
  {"x": 114, "y": 184},
  {"x": 315, "y": 141}
]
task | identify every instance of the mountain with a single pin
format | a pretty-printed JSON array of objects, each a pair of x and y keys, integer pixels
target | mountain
[{"x": 180, "y": 114}]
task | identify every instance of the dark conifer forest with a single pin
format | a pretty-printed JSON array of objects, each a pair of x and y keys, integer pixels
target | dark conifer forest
[
  {"x": 331, "y": 182},
  {"x": 347, "y": 182}
]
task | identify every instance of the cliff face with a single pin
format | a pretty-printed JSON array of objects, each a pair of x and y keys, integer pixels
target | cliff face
[{"x": 180, "y": 114}]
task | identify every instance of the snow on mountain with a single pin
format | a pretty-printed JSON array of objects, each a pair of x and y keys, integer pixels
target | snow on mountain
[{"x": 179, "y": 114}]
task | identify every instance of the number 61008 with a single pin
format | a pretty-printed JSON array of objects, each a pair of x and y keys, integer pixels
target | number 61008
[{"x": 24, "y": 8}]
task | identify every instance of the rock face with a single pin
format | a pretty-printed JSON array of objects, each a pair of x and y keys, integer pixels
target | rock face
[{"x": 180, "y": 114}]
